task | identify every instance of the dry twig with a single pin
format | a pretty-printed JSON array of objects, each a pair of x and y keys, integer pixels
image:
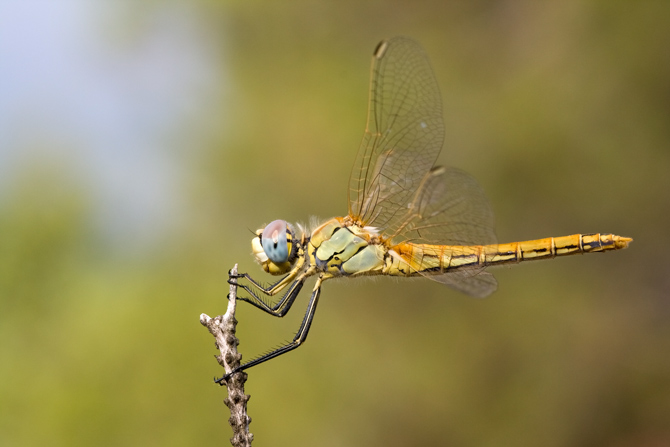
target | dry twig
[{"x": 222, "y": 328}]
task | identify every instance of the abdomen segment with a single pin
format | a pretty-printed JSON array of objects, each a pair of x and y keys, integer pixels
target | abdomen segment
[{"x": 414, "y": 259}]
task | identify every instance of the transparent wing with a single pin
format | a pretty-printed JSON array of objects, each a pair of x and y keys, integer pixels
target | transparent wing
[
  {"x": 450, "y": 208},
  {"x": 403, "y": 136},
  {"x": 473, "y": 282}
]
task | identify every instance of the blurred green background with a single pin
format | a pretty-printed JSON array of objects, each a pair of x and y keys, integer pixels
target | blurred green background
[{"x": 140, "y": 141}]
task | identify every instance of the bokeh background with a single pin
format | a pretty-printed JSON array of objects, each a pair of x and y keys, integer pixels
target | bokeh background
[{"x": 141, "y": 141}]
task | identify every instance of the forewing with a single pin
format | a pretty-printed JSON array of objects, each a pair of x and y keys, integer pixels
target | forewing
[
  {"x": 450, "y": 208},
  {"x": 403, "y": 136}
]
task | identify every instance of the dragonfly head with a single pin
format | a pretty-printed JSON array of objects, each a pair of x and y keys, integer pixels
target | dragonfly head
[{"x": 275, "y": 247}]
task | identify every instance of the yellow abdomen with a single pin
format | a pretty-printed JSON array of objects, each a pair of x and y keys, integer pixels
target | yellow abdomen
[{"x": 417, "y": 259}]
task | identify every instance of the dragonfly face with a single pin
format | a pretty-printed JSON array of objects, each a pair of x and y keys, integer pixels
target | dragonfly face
[
  {"x": 406, "y": 216},
  {"x": 275, "y": 247}
]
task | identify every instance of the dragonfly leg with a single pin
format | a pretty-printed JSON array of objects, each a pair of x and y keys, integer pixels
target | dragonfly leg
[
  {"x": 299, "y": 338},
  {"x": 274, "y": 288},
  {"x": 284, "y": 304},
  {"x": 282, "y": 307},
  {"x": 269, "y": 290}
]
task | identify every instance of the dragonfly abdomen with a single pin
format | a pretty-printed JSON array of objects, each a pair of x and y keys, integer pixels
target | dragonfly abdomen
[
  {"x": 551, "y": 247},
  {"x": 414, "y": 259}
]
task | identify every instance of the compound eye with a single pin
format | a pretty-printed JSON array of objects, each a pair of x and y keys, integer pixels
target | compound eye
[{"x": 274, "y": 241}]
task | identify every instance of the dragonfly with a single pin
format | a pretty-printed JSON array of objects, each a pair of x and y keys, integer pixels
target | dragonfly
[{"x": 407, "y": 217}]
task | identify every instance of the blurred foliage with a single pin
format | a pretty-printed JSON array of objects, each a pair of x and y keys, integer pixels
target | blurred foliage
[{"x": 560, "y": 110}]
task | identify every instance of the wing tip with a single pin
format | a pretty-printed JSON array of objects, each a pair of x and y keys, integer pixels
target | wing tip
[{"x": 380, "y": 49}]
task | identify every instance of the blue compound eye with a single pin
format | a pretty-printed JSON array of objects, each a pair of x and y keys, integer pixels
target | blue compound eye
[{"x": 274, "y": 241}]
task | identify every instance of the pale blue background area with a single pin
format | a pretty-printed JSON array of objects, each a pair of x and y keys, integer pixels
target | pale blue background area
[{"x": 85, "y": 85}]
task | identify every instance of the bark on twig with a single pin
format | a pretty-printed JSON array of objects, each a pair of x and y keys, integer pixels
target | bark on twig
[{"x": 223, "y": 330}]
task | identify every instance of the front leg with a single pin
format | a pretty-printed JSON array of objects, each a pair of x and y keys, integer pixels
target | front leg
[
  {"x": 282, "y": 307},
  {"x": 274, "y": 288}
]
